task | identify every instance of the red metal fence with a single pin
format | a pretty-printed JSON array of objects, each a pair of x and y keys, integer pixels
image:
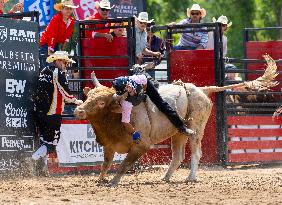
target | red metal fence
[{"x": 254, "y": 139}]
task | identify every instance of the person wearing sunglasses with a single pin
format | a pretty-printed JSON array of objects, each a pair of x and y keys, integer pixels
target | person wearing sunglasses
[
  {"x": 141, "y": 38},
  {"x": 197, "y": 39},
  {"x": 224, "y": 27},
  {"x": 58, "y": 32},
  {"x": 103, "y": 8}
]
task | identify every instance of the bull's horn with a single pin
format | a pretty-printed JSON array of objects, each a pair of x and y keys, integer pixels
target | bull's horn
[
  {"x": 95, "y": 80},
  {"x": 120, "y": 97},
  {"x": 277, "y": 112}
]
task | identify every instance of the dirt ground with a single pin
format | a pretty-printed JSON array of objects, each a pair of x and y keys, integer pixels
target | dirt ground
[{"x": 216, "y": 185}]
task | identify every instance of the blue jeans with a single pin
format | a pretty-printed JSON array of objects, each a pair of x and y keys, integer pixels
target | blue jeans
[
  {"x": 177, "y": 47},
  {"x": 44, "y": 54},
  {"x": 152, "y": 73}
]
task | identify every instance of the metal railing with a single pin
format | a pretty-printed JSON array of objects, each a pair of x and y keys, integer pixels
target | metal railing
[{"x": 33, "y": 15}]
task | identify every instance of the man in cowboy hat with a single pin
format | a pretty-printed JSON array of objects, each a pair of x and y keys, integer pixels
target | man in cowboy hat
[
  {"x": 52, "y": 93},
  {"x": 18, "y": 7},
  {"x": 2, "y": 4},
  {"x": 224, "y": 27},
  {"x": 141, "y": 37},
  {"x": 194, "y": 40},
  {"x": 59, "y": 30},
  {"x": 103, "y": 7}
]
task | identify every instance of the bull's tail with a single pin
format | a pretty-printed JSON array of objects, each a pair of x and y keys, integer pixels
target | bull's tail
[{"x": 215, "y": 89}]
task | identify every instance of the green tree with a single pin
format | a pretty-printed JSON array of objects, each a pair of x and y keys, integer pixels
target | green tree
[
  {"x": 241, "y": 13},
  {"x": 268, "y": 14}
]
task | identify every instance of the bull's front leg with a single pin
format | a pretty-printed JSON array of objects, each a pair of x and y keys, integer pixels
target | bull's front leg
[
  {"x": 108, "y": 160},
  {"x": 136, "y": 151}
]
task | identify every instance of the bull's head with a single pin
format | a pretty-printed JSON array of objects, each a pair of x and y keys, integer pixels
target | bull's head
[{"x": 99, "y": 100}]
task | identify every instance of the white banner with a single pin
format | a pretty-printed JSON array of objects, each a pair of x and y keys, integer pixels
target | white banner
[{"x": 78, "y": 146}]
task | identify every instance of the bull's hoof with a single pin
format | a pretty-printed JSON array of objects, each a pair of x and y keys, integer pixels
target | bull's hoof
[
  {"x": 191, "y": 179},
  {"x": 165, "y": 179},
  {"x": 102, "y": 181},
  {"x": 112, "y": 184}
]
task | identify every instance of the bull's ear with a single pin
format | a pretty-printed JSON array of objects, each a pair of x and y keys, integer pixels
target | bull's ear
[
  {"x": 86, "y": 90},
  {"x": 116, "y": 108},
  {"x": 101, "y": 104}
]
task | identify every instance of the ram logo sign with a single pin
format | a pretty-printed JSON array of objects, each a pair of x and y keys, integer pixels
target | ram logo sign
[{"x": 3, "y": 34}]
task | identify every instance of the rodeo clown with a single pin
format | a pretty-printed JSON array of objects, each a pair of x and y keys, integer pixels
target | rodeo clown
[
  {"x": 137, "y": 87},
  {"x": 52, "y": 93}
]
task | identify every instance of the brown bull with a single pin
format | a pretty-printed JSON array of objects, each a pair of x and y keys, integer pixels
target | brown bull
[{"x": 192, "y": 103}]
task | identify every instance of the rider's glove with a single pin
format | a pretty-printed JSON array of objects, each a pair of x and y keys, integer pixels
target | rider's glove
[{"x": 136, "y": 136}]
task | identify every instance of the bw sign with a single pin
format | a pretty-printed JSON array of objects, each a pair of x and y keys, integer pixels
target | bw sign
[{"x": 15, "y": 88}]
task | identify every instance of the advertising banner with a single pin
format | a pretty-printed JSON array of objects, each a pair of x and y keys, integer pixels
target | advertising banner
[
  {"x": 44, "y": 7},
  {"x": 19, "y": 66},
  {"x": 127, "y": 8},
  {"x": 78, "y": 146}
]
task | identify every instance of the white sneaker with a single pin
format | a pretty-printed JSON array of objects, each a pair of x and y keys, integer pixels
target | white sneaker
[{"x": 41, "y": 152}]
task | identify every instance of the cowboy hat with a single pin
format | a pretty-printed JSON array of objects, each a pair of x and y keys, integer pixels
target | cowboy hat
[
  {"x": 196, "y": 7},
  {"x": 144, "y": 17},
  {"x": 104, "y": 4},
  {"x": 59, "y": 55},
  {"x": 65, "y": 3},
  {"x": 222, "y": 19}
]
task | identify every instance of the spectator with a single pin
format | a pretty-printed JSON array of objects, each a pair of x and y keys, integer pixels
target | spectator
[
  {"x": 17, "y": 8},
  {"x": 225, "y": 25},
  {"x": 52, "y": 93},
  {"x": 197, "y": 39},
  {"x": 155, "y": 44},
  {"x": 103, "y": 8},
  {"x": 2, "y": 4},
  {"x": 118, "y": 32},
  {"x": 59, "y": 30},
  {"x": 141, "y": 38}
]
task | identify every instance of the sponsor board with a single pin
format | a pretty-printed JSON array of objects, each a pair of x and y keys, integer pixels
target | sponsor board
[
  {"x": 127, "y": 8},
  {"x": 78, "y": 146},
  {"x": 19, "y": 65},
  {"x": 11, "y": 143}
]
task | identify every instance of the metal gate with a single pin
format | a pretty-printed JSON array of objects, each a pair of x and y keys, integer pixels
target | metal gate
[{"x": 252, "y": 135}]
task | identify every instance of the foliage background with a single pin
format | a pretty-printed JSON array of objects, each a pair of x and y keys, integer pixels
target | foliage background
[{"x": 243, "y": 13}]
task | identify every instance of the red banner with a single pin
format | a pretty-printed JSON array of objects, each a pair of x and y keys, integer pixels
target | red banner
[{"x": 86, "y": 8}]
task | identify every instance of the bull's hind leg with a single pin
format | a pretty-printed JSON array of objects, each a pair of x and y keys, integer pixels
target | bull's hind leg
[
  {"x": 200, "y": 113},
  {"x": 178, "y": 143},
  {"x": 133, "y": 155},
  {"x": 108, "y": 160},
  {"x": 196, "y": 154}
]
